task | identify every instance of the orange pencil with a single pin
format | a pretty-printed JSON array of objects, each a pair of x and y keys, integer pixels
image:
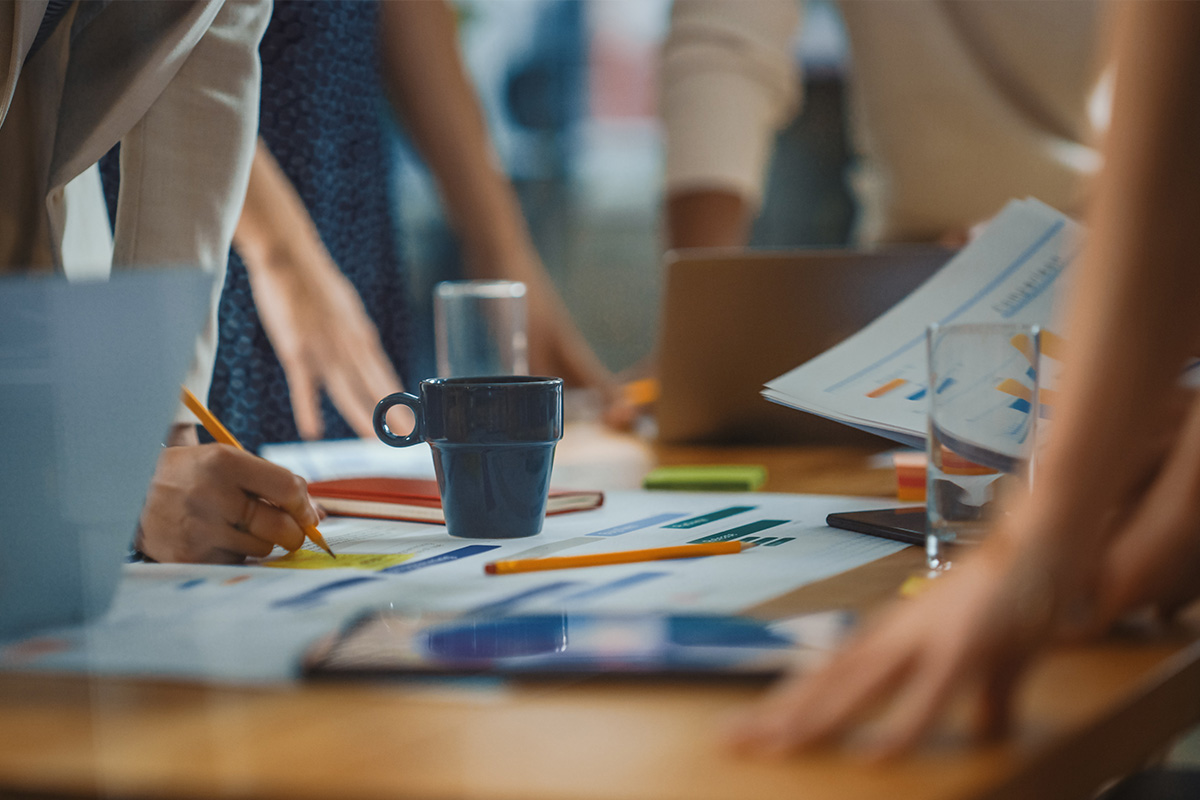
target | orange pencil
[
  {"x": 624, "y": 557},
  {"x": 222, "y": 435}
]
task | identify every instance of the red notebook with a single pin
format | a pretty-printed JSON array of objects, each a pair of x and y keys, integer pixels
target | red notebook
[{"x": 415, "y": 499}]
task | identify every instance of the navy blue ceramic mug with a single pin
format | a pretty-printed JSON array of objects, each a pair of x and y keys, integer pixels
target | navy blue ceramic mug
[{"x": 493, "y": 444}]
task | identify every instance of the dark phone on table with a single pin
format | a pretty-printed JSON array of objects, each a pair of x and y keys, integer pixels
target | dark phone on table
[{"x": 902, "y": 524}]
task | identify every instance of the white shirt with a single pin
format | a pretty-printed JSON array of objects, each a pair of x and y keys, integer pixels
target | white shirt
[{"x": 956, "y": 107}]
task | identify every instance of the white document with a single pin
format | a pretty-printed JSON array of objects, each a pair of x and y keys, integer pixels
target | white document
[
  {"x": 877, "y": 378},
  {"x": 796, "y": 548},
  {"x": 586, "y": 448},
  {"x": 253, "y": 623},
  {"x": 218, "y": 623},
  {"x": 350, "y": 458}
]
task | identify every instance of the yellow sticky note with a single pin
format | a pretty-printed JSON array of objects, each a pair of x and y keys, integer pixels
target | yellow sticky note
[{"x": 315, "y": 559}]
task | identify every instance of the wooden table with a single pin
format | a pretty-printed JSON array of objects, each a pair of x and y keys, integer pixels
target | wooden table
[{"x": 1086, "y": 715}]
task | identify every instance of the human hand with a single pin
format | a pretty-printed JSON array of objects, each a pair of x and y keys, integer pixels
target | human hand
[
  {"x": 557, "y": 347},
  {"x": 323, "y": 338},
  {"x": 217, "y": 504},
  {"x": 974, "y": 629},
  {"x": 1155, "y": 557},
  {"x": 1063, "y": 563},
  {"x": 311, "y": 313}
]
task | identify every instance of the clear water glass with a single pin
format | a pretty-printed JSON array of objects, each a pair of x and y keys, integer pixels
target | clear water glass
[
  {"x": 984, "y": 416},
  {"x": 479, "y": 329}
]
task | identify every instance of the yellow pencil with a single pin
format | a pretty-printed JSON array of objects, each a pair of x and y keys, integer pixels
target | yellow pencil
[
  {"x": 624, "y": 557},
  {"x": 222, "y": 435}
]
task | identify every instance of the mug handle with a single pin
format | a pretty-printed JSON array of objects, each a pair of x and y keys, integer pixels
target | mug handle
[{"x": 384, "y": 432}]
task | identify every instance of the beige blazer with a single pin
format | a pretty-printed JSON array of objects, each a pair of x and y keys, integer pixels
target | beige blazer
[{"x": 176, "y": 82}]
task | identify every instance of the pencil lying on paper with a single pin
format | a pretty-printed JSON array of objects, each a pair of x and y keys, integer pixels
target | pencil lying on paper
[
  {"x": 624, "y": 557},
  {"x": 222, "y": 435}
]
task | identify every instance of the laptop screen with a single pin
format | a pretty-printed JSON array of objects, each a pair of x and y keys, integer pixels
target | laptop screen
[{"x": 734, "y": 319}]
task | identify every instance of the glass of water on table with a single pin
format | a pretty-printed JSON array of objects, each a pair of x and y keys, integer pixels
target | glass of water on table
[
  {"x": 480, "y": 328},
  {"x": 984, "y": 416}
]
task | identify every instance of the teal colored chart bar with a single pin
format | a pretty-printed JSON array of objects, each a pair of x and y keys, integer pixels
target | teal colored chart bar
[
  {"x": 784, "y": 540},
  {"x": 713, "y": 516},
  {"x": 739, "y": 532}
]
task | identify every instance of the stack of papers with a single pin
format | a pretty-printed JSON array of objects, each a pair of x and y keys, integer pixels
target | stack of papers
[{"x": 877, "y": 379}]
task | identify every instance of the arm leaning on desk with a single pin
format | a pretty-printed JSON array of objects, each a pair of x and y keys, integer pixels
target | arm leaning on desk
[{"x": 126, "y": 738}]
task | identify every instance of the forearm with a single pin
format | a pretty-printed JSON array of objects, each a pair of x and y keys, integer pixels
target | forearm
[
  {"x": 727, "y": 82},
  {"x": 424, "y": 75},
  {"x": 712, "y": 218},
  {"x": 274, "y": 229},
  {"x": 316, "y": 322},
  {"x": 1132, "y": 321}
]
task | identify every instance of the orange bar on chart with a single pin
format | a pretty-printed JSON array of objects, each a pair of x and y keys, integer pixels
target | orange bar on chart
[
  {"x": 887, "y": 387},
  {"x": 954, "y": 464},
  {"x": 1017, "y": 389}
]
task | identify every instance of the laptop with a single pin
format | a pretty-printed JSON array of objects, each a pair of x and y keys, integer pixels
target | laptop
[
  {"x": 734, "y": 319},
  {"x": 89, "y": 382}
]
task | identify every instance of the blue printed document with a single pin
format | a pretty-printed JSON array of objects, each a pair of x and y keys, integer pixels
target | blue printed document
[{"x": 876, "y": 380}]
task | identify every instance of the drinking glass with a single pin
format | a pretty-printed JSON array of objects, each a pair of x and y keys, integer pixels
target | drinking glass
[
  {"x": 479, "y": 328},
  {"x": 983, "y": 422}
]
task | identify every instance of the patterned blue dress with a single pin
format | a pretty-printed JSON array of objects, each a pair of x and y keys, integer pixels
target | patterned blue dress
[{"x": 321, "y": 118}]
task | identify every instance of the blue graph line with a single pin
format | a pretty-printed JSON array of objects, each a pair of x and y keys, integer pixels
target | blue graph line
[
  {"x": 504, "y": 604},
  {"x": 453, "y": 555},
  {"x": 614, "y": 586},
  {"x": 628, "y": 527},
  {"x": 316, "y": 595},
  {"x": 986, "y": 290}
]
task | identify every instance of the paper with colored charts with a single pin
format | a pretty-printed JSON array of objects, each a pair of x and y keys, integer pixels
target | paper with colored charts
[
  {"x": 253, "y": 623},
  {"x": 795, "y": 547},
  {"x": 877, "y": 379}
]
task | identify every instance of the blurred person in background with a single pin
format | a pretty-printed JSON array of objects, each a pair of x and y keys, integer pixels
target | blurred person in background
[
  {"x": 956, "y": 107},
  {"x": 314, "y": 299}
]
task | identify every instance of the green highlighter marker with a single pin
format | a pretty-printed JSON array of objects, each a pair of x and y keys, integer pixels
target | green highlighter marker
[{"x": 708, "y": 478}]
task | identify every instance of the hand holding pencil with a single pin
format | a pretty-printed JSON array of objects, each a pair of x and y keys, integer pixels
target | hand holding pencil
[
  {"x": 222, "y": 435},
  {"x": 216, "y": 504}
]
